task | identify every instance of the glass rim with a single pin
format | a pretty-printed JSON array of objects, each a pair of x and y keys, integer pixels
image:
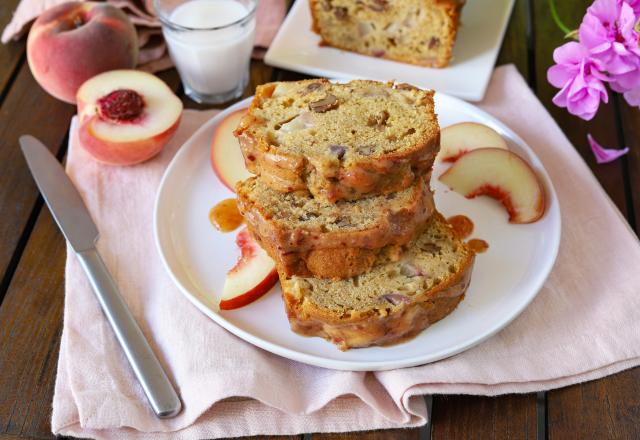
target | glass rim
[{"x": 166, "y": 21}]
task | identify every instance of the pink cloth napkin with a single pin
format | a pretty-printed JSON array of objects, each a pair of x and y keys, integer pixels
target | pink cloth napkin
[
  {"x": 153, "y": 51},
  {"x": 583, "y": 324}
]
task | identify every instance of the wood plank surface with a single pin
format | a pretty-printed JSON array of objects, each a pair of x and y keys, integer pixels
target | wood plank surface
[
  {"x": 272, "y": 437},
  {"x": 608, "y": 408},
  {"x": 630, "y": 122},
  {"x": 27, "y": 109},
  {"x": 11, "y": 54},
  {"x": 514, "y": 48},
  {"x": 31, "y": 317},
  {"x": 383, "y": 434},
  {"x": 503, "y": 417}
]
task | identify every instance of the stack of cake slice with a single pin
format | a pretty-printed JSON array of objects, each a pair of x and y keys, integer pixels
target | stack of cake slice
[{"x": 341, "y": 202}]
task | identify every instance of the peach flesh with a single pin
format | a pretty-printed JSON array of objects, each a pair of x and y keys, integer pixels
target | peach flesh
[
  {"x": 499, "y": 194},
  {"x": 249, "y": 250},
  {"x": 252, "y": 295},
  {"x": 502, "y": 175}
]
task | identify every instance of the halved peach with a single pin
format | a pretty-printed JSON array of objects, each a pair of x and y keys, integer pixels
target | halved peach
[
  {"x": 500, "y": 174},
  {"x": 126, "y": 116}
]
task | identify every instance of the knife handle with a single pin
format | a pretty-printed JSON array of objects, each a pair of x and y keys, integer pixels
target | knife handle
[{"x": 145, "y": 364}]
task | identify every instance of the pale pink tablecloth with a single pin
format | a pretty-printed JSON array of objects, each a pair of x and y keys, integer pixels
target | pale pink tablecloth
[
  {"x": 583, "y": 325},
  {"x": 153, "y": 51}
]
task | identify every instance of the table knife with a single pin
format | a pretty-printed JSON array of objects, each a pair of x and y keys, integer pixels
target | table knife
[{"x": 76, "y": 224}]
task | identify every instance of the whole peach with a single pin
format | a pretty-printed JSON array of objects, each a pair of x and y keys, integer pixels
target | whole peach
[{"x": 72, "y": 42}]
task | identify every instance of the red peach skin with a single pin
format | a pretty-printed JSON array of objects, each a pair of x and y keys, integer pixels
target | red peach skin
[
  {"x": 72, "y": 42},
  {"x": 252, "y": 295},
  {"x": 123, "y": 153}
]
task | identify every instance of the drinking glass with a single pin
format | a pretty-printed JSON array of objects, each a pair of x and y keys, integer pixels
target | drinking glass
[{"x": 210, "y": 43}]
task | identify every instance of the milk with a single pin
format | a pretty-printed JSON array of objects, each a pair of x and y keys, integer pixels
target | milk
[{"x": 213, "y": 63}]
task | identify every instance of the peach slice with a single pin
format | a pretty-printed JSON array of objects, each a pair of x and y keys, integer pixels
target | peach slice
[
  {"x": 253, "y": 275},
  {"x": 226, "y": 157},
  {"x": 500, "y": 174},
  {"x": 458, "y": 139},
  {"x": 126, "y": 116}
]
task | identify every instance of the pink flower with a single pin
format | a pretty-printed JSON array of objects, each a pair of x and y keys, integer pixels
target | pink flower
[
  {"x": 605, "y": 155},
  {"x": 580, "y": 80},
  {"x": 607, "y": 30}
]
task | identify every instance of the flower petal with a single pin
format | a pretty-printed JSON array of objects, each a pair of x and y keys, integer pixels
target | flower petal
[
  {"x": 558, "y": 75},
  {"x": 605, "y": 10},
  {"x": 633, "y": 97},
  {"x": 605, "y": 155},
  {"x": 569, "y": 53}
]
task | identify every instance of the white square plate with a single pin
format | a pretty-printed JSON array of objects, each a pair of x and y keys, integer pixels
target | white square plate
[{"x": 480, "y": 35}]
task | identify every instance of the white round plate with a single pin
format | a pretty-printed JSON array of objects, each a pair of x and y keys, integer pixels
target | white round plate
[{"x": 505, "y": 279}]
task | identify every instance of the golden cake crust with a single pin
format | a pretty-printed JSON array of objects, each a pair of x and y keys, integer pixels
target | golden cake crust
[
  {"x": 326, "y": 249},
  {"x": 376, "y": 330},
  {"x": 288, "y": 170},
  {"x": 384, "y": 324}
]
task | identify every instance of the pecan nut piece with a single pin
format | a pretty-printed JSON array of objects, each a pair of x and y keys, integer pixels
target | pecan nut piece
[{"x": 327, "y": 103}]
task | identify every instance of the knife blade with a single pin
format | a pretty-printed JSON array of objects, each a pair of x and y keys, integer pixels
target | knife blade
[
  {"x": 61, "y": 196},
  {"x": 73, "y": 218}
]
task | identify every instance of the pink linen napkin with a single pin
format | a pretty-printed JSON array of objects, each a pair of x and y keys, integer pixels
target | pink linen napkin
[
  {"x": 153, "y": 51},
  {"x": 582, "y": 325}
]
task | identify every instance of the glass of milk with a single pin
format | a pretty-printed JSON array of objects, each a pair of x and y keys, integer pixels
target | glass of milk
[{"x": 210, "y": 42}]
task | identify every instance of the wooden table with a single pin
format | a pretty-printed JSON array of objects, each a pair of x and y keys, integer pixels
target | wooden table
[{"x": 32, "y": 255}]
